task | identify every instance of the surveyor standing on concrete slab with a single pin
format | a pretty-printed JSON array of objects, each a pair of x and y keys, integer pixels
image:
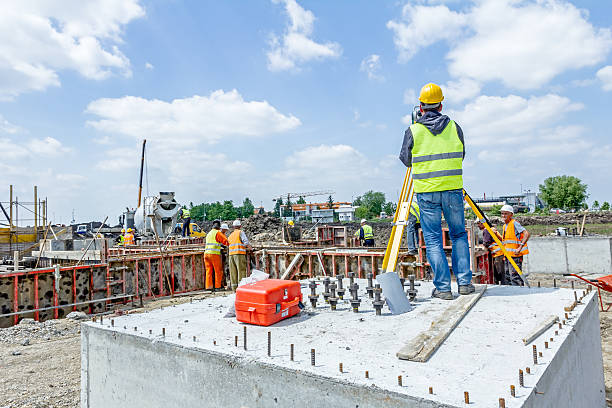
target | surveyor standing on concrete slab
[
  {"x": 365, "y": 234},
  {"x": 186, "y": 215},
  {"x": 514, "y": 238},
  {"x": 238, "y": 245},
  {"x": 434, "y": 147},
  {"x": 122, "y": 237},
  {"x": 212, "y": 255},
  {"x": 497, "y": 258},
  {"x": 412, "y": 238}
]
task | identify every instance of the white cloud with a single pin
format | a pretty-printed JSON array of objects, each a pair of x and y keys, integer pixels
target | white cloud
[
  {"x": 40, "y": 38},
  {"x": 515, "y": 42},
  {"x": 407, "y": 119},
  {"x": 495, "y": 120},
  {"x": 296, "y": 46},
  {"x": 190, "y": 120},
  {"x": 372, "y": 66},
  {"x": 410, "y": 97},
  {"x": 149, "y": 66},
  {"x": 421, "y": 26},
  {"x": 47, "y": 147},
  {"x": 331, "y": 162},
  {"x": 605, "y": 76},
  {"x": 460, "y": 90},
  {"x": 8, "y": 127},
  {"x": 120, "y": 159}
]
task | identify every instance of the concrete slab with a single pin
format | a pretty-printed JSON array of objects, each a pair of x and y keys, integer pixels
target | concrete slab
[{"x": 126, "y": 364}]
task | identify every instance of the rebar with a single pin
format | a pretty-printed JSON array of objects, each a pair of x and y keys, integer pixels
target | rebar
[
  {"x": 112, "y": 323},
  {"x": 378, "y": 303},
  {"x": 521, "y": 382},
  {"x": 340, "y": 367},
  {"x": 163, "y": 331},
  {"x": 291, "y": 352},
  {"x": 179, "y": 335},
  {"x": 431, "y": 390},
  {"x": 351, "y": 276},
  {"x": 399, "y": 380},
  {"x": 535, "y": 354},
  {"x": 269, "y": 343},
  {"x": 333, "y": 300},
  {"x": 326, "y": 294},
  {"x": 312, "y": 357},
  {"x": 370, "y": 288},
  {"x": 367, "y": 374},
  {"x": 512, "y": 391},
  {"x": 545, "y": 344},
  {"x": 235, "y": 341},
  {"x": 528, "y": 370},
  {"x": 244, "y": 337},
  {"x": 502, "y": 403},
  {"x": 412, "y": 292},
  {"x": 340, "y": 290},
  {"x": 194, "y": 338},
  {"x": 466, "y": 397},
  {"x": 313, "y": 294}
]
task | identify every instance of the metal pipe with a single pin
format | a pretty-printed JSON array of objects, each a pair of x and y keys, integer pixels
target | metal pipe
[
  {"x": 144, "y": 142},
  {"x": 36, "y": 212}
]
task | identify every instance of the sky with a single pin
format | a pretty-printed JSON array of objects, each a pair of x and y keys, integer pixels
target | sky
[{"x": 261, "y": 98}]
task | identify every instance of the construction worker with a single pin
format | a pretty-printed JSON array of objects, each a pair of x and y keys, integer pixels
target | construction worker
[
  {"x": 128, "y": 239},
  {"x": 212, "y": 255},
  {"x": 496, "y": 259},
  {"x": 365, "y": 234},
  {"x": 434, "y": 147},
  {"x": 514, "y": 238},
  {"x": 186, "y": 215},
  {"x": 412, "y": 237},
  {"x": 238, "y": 245},
  {"x": 122, "y": 237}
]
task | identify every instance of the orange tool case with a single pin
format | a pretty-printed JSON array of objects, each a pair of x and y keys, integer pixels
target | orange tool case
[{"x": 268, "y": 301}]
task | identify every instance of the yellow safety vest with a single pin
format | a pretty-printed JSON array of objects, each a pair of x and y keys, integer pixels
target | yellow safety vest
[
  {"x": 414, "y": 210},
  {"x": 437, "y": 160},
  {"x": 212, "y": 245},
  {"x": 367, "y": 232}
]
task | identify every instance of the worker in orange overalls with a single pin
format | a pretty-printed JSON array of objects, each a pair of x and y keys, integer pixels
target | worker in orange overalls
[
  {"x": 514, "y": 238},
  {"x": 128, "y": 239},
  {"x": 212, "y": 256}
]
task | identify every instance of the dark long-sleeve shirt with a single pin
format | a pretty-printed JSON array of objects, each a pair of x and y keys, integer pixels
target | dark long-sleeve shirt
[{"x": 435, "y": 122}]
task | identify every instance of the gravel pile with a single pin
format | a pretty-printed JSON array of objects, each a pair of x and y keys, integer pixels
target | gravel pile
[{"x": 29, "y": 331}]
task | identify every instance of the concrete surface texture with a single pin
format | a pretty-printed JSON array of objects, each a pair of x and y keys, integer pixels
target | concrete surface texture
[
  {"x": 130, "y": 362},
  {"x": 569, "y": 255}
]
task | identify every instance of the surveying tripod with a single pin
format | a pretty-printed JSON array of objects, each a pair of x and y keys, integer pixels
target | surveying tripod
[{"x": 400, "y": 221}]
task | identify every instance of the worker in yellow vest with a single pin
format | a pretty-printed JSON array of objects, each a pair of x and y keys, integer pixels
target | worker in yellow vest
[
  {"x": 433, "y": 147},
  {"x": 412, "y": 237},
  {"x": 238, "y": 245},
  {"x": 186, "y": 216},
  {"x": 514, "y": 238},
  {"x": 365, "y": 234},
  {"x": 129, "y": 237},
  {"x": 212, "y": 255},
  {"x": 122, "y": 237}
]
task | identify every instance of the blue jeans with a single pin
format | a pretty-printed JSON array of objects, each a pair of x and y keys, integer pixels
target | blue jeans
[
  {"x": 411, "y": 234},
  {"x": 432, "y": 205}
]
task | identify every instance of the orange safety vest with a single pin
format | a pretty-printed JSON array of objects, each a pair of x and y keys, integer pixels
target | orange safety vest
[
  {"x": 511, "y": 241},
  {"x": 128, "y": 239},
  {"x": 495, "y": 250},
  {"x": 236, "y": 247}
]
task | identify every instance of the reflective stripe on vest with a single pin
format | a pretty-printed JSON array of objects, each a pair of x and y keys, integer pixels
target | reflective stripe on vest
[
  {"x": 236, "y": 247},
  {"x": 367, "y": 232},
  {"x": 437, "y": 160},
  {"x": 495, "y": 250},
  {"x": 414, "y": 210},
  {"x": 128, "y": 239},
  {"x": 212, "y": 246},
  {"x": 186, "y": 213},
  {"x": 511, "y": 241}
]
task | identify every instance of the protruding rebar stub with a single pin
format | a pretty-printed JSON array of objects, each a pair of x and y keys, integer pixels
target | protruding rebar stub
[
  {"x": 411, "y": 292},
  {"x": 399, "y": 380},
  {"x": 312, "y": 357},
  {"x": 313, "y": 297},
  {"x": 333, "y": 300},
  {"x": 326, "y": 294},
  {"x": 370, "y": 288},
  {"x": 378, "y": 302},
  {"x": 466, "y": 397},
  {"x": 513, "y": 391},
  {"x": 351, "y": 276},
  {"x": 355, "y": 301},
  {"x": 341, "y": 291}
]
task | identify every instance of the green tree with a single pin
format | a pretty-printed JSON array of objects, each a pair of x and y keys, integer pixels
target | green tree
[
  {"x": 595, "y": 205},
  {"x": 277, "y": 207},
  {"x": 229, "y": 212},
  {"x": 330, "y": 202},
  {"x": 357, "y": 202},
  {"x": 563, "y": 192},
  {"x": 288, "y": 209},
  {"x": 605, "y": 206},
  {"x": 362, "y": 212},
  {"x": 301, "y": 200},
  {"x": 389, "y": 208},
  {"x": 247, "y": 208},
  {"x": 373, "y": 201}
]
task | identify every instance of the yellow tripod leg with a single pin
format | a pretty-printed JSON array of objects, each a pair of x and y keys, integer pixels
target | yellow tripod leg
[
  {"x": 399, "y": 222},
  {"x": 485, "y": 222}
]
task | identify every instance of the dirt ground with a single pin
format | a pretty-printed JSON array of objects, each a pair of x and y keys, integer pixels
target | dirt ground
[{"x": 40, "y": 362}]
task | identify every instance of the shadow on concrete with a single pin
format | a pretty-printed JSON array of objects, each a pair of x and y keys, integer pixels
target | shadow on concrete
[{"x": 515, "y": 290}]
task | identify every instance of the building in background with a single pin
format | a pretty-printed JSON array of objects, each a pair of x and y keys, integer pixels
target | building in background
[{"x": 346, "y": 213}]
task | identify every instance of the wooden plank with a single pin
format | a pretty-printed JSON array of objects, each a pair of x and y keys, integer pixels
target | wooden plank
[
  {"x": 542, "y": 327},
  {"x": 421, "y": 347},
  {"x": 292, "y": 265}
]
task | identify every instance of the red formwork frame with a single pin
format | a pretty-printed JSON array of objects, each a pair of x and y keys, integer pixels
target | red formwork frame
[{"x": 73, "y": 271}]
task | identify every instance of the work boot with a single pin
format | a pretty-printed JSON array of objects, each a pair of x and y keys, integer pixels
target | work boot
[
  {"x": 466, "y": 289},
  {"x": 442, "y": 295}
]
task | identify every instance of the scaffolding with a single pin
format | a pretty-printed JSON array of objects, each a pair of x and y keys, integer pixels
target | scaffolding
[{"x": 22, "y": 225}]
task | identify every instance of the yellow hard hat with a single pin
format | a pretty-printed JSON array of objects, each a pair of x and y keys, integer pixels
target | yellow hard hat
[
  {"x": 122, "y": 229},
  {"x": 290, "y": 222},
  {"x": 129, "y": 230},
  {"x": 431, "y": 94}
]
